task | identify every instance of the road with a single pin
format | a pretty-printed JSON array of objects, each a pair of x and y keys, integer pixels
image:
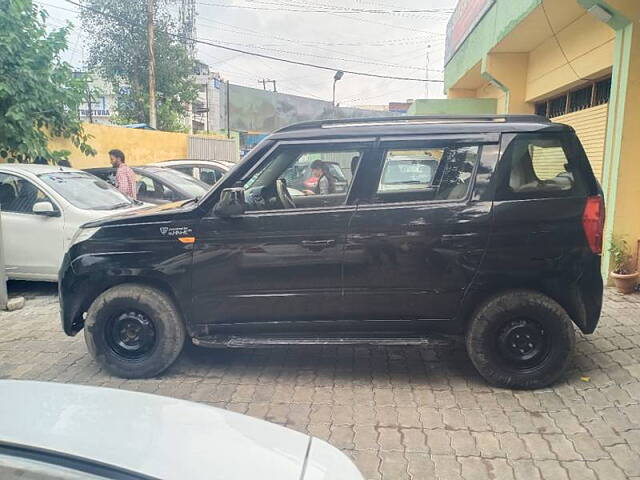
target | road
[{"x": 400, "y": 413}]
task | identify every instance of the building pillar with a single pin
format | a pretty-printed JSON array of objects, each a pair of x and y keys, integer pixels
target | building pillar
[
  {"x": 508, "y": 72},
  {"x": 621, "y": 168}
]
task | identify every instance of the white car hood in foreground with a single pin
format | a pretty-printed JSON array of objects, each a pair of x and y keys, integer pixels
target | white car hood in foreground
[{"x": 161, "y": 437}]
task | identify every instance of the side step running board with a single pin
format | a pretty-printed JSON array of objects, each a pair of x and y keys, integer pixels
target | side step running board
[{"x": 239, "y": 341}]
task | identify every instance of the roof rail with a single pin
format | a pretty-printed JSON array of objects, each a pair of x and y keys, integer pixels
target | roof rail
[{"x": 412, "y": 119}]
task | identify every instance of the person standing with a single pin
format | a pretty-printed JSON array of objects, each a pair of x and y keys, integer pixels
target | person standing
[{"x": 125, "y": 177}]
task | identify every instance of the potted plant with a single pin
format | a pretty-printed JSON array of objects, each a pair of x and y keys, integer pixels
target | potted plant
[{"x": 624, "y": 274}]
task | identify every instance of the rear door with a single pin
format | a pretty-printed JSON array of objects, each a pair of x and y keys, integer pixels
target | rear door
[{"x": 420, "y": 229}]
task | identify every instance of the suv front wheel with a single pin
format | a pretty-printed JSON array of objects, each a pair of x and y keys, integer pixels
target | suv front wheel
[
  {"x": 134, "y": 331},
  {"x": 520, "y": 339}
]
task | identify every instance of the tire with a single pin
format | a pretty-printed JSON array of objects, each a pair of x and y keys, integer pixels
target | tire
[
  {"x": 134, "y": 331},
  {"x": 499, "y": 340}
]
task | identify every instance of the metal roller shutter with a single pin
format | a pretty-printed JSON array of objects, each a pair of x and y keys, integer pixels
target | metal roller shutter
[{"x": 591, "y": 126}]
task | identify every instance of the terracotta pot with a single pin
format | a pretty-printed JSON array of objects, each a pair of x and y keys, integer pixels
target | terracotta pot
[{"x": 625, "y": 283}]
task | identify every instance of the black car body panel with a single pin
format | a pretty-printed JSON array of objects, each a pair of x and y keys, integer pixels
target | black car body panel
[{"x": 359, "y": 265}]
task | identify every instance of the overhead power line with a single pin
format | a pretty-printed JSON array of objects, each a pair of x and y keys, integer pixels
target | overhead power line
[
  {"x": 327, "y": 9},
  {"x": 123, "y": 21}
]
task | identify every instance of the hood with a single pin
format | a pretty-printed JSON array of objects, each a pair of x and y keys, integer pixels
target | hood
[
  {"x": 160, "y": 437},
  {"x": 144, "y": 213}
]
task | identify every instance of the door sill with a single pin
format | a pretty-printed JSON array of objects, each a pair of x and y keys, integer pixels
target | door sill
[{"x": 258, "y": 341}]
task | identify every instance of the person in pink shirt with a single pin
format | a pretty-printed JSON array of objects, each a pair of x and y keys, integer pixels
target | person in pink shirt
[{"x": 125, "y": 177}]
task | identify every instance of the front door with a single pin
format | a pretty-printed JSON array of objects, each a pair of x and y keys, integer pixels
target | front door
[
  {"x": 32, "y": 243},
  {"x": 281, "y": 261},
  {"x": 419, "y": 233}
]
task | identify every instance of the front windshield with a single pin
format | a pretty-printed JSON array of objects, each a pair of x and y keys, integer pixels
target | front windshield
[
  {"x": 86, "y": 191},
  {"x": 182, "y": 181}
]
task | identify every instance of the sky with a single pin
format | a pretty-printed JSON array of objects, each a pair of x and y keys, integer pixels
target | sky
[{"x": 340, "y": 34}]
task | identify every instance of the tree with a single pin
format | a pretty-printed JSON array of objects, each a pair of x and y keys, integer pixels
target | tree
[
  {"x": 38, "y": 92},
  {"x": 118, "y": 53}
]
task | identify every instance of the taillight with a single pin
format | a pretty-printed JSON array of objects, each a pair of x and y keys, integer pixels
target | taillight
[{"x": 593, "y": 222}]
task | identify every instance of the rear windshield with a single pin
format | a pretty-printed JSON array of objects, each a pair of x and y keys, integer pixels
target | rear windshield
[{"x": 86, "y": 191}]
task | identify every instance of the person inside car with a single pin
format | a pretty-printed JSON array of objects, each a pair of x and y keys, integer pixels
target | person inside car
[{"x": 326, "y": 183}]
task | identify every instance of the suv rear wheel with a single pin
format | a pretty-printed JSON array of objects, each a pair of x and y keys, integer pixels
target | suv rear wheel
[
  {"x": 520, "y": 339},
  {"x": 134, "y": 331}
]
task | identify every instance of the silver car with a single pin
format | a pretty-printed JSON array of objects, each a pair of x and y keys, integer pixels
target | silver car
[{"x": 42, "y": 207}]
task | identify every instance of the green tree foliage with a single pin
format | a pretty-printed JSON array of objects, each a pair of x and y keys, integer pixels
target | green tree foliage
[
  {"x": 119, "y": 54},
  {"x": 38, "y": 92}
]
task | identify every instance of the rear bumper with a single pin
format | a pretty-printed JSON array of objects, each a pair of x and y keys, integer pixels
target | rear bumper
[{"x": 591, "y": 289}]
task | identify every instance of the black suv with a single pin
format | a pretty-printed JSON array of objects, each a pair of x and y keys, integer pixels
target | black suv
[{"x": 498, "y": 240}]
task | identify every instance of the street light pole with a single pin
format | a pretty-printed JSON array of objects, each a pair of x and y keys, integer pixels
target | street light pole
[{"x": 339, "y": 74}]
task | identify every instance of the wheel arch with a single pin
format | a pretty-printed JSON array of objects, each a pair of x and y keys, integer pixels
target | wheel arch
[
  {"x": 142, "y": 280},
  {"x": 567, "y": 295}
]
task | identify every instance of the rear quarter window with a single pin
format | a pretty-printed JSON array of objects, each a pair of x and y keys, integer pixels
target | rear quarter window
[{"x": 539, "y": 166}]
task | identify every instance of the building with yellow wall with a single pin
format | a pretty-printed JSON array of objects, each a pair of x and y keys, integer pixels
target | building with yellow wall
[
  {"x": 574, "y": 61},
  {"x": 142, "y": 146}
]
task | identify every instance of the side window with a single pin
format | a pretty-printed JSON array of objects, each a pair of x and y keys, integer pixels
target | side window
[
  {"x": 319, "y": 173},
  {"x": 427, "y": 174},
  {"x": 538, "y": 167},
  {"x": 18, "y": 195},
  {"x": 210, "y": 175},
  {"x": 185, "y": 170},
  {"x": 314, "y": 175},
  {"x": 150, "y": 189}
]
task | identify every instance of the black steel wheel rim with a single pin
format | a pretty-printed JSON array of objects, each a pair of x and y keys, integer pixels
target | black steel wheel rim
[
  {"x": 523, "y": 344},
  {"x": 131, "y": 335}
]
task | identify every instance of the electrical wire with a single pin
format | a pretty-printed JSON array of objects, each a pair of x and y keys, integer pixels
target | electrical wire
[
  {"x": 366, "y": 60},
  {"x": 555, "y": 36},
  {"x": 326, "y": 10},
  {"x": 255, "y": 54}
]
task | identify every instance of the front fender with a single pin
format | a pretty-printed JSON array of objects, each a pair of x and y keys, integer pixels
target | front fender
[{"x": 87, "y": 275}]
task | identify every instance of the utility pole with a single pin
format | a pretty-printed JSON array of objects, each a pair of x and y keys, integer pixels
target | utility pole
[
  {"x": 152, "y": 64},
  {"x": 426, "y": 73},
  {"x": 89, "y": 103},
  {"x": 228, "y": 113}
]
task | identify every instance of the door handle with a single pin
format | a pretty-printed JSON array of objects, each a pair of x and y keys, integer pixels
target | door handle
[{"x": 318, "y": 244}]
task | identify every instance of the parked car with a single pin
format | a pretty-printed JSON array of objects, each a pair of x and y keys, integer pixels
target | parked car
[
  {"x": 207, "y": 171},
  {"x": 63, "y": 431},
  {"x": 403, "y": 171},
  {"x": 158, "y": 185},
  {"x": 42, "y": 208},
  {"x": 501, "y": 244}
]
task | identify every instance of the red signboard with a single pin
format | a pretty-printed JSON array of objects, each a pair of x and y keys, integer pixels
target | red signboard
[{"x": 464, "y": 19}]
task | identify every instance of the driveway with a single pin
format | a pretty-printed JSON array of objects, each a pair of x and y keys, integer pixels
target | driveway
[{"x": 399, "y": 412}]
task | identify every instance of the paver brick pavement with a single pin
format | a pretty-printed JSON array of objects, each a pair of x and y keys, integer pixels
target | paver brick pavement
[{"x": 398, "y": 412}]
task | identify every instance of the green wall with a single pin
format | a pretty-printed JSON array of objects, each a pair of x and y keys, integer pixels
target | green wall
[
  {"x": 443, "y": 106},
  {"x": 501, "y": 18}
]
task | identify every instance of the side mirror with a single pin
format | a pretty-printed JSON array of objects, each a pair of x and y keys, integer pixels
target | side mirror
[
  {"x": 231, "y": 203},
  {"x": 46, "y": 209}
]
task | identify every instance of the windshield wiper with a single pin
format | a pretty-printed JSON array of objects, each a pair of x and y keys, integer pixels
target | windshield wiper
[
  {"x": 120, "y": 205},
  {"x": 191, "y": 200}
]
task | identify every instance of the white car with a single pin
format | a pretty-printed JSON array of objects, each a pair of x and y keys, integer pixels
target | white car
[
  {"x": 207, "y": 171},
  {"x": 42, "y": 207},
  {"x": 63, "y": 432}
]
